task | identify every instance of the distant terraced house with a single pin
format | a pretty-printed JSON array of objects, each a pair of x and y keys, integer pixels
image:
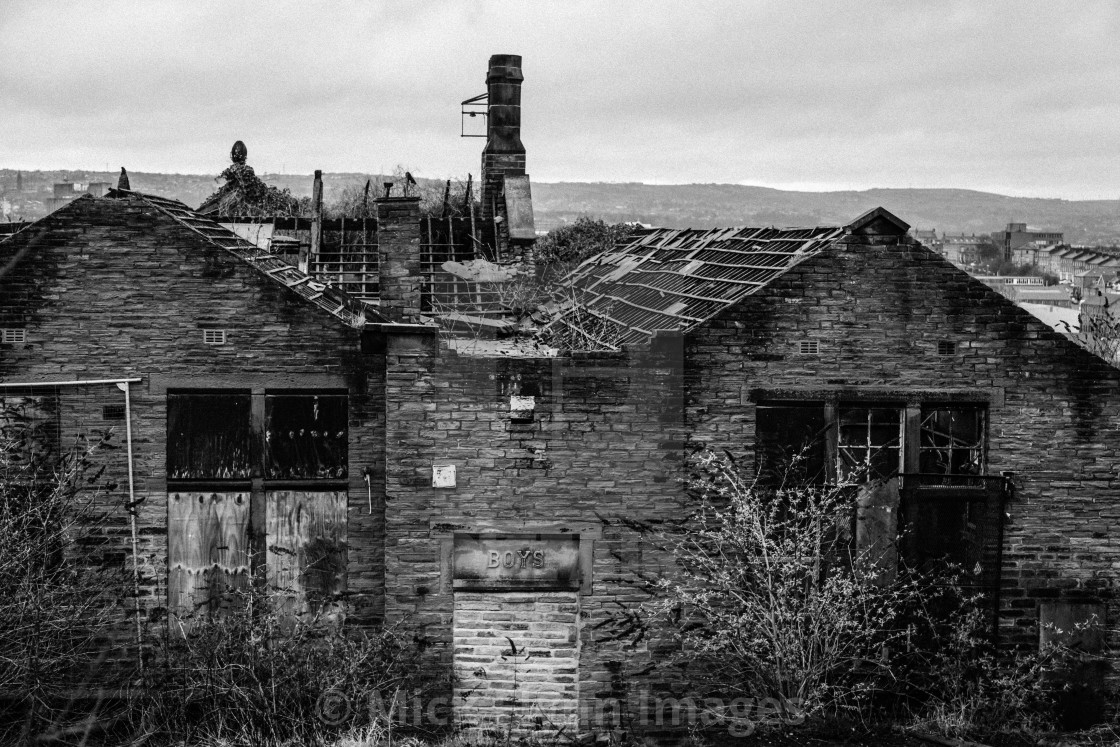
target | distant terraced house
[{"x": 1065, "y": 261}]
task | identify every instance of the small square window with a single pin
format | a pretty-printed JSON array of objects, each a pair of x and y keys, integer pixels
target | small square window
[
  {"x": 214, "y": 336},
  {"x": 946, "y": 347},
  {"x": 10, "y": 335},
  {"x": 809, "y": 347}
]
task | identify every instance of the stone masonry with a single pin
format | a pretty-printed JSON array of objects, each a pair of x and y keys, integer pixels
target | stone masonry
[
  {"x": 609, "y": 431},
  {"x": 114, "y": 289},
  {"x": 516, "y": 662}
]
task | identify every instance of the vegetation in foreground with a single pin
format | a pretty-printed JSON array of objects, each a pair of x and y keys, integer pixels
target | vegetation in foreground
[{"x": 769, "y": 600}]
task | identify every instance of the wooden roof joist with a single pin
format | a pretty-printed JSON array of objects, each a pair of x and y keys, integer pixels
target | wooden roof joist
[
  {"x": 656, "y": 274},
  {"x": 682, "y": 294},
  {"x": 647, "y": 308}
]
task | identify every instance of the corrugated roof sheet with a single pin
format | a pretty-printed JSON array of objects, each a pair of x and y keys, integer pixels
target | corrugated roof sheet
[
  {"x": 674, "y": 279},
  {"x": 339, "y": 304}
]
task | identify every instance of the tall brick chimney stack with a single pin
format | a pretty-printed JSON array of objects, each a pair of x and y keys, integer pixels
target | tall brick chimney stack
[
  {"x": 504, "y": 154},
  {"x": 398, "y": 254}
]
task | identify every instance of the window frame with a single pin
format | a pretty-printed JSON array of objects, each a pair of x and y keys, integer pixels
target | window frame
[
  {"x": 911, "y": 415},
  {"x": 258, "y": 448},
  {"x": 981, "y": 445},
  {"x": 231, "y": 481},
  {"x": 266, "y": 462}
]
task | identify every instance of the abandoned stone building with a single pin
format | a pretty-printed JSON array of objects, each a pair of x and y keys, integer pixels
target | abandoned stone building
[{"x": 378, "y": 468}]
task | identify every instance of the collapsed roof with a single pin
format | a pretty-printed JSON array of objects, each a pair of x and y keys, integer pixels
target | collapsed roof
[{"x": 664, "y": 279}]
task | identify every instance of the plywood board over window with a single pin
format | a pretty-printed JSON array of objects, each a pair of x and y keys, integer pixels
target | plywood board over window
[
  {"x": 306, "y": 557},
  {"x": 208, "y": 551}
]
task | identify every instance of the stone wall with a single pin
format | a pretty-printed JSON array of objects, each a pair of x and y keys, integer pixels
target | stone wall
[
  {"x": 606, "y": 439},
  {"x": 516, "y": 662},
  {"x": 602, "y": 445},
  {"x": 114, "y": 289},
  {"x": 878, "y": 311}
]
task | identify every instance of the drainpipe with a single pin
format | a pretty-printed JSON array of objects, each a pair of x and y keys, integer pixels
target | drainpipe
[{"x": 124, "y": 387}]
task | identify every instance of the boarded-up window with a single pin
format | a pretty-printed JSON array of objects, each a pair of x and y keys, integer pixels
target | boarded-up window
[
  {"x": 869, "y": 442},
  {"x": 208, "y": 551},
  {"x": 208, "y": 437},
  {"x": 791, "y": 443},
  {"x": 305, "y": 436},
  {"x": 307, "y": 551},
  {"x": 952, "y": 440}
]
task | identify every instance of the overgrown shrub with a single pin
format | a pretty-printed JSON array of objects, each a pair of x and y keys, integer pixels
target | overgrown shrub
[
  {"x": 252, "y": 676},
  {"x": 577, "y": 241},
  {"x": 772, "y": 598},
  {"x": 949, "y": 678},
  {"x": 62, "y": 576}
]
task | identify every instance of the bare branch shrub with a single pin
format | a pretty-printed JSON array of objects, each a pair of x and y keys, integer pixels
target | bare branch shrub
[
  {"x": 1099, "y": 332},
  {"x": 252, "y": 676},
  {"x": 950, "y": 679},
  {"x": 62, "y": 575},
  {"x": 772, "y": 598}
]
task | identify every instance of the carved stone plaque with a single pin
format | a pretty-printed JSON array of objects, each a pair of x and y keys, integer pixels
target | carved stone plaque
[{"x": 496, "y": 562}]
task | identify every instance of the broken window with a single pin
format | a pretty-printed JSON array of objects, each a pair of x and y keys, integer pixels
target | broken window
[
  {"x": 791, "y": 443},
  {"x": 305, "y": 436},
  {"x": 952, "y": 440},
  {"x": 209, "y": 436},
  {"x": 870, "y": 441}
]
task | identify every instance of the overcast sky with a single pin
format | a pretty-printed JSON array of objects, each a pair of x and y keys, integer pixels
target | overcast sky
[{"x": 1021, "y": 98}]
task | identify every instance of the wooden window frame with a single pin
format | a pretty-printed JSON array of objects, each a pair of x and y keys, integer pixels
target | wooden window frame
[
  {"x": 910, "y": 416},
  {"x": 258, "y": 478}
]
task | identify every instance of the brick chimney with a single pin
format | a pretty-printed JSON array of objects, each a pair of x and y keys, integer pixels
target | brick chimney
[
  {"x": 504, "y": 155},
  {"x": 398, "y": 253}
]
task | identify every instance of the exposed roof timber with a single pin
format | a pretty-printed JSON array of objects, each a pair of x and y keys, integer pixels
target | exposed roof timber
[
  {"x": 708, "y": 270},
  {"x": 336, "y": 302}
]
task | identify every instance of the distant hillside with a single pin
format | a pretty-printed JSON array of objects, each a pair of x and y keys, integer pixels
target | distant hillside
[
  {"x": 714, "y": 205},
  {"x": 698, "y": 205}
]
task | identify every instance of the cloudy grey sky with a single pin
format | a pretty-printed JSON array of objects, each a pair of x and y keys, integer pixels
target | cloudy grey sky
[{"x": 1021, "y": 98}]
